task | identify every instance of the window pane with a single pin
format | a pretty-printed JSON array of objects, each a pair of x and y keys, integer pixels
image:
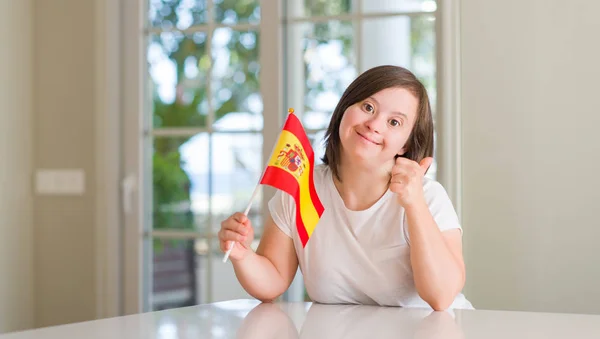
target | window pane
[
  {"x": 188, "y": 272},
  {"x": 174, "y": 179},
  {"x": 296, "y": 8},
  {"x": 184, "y": 180},
  {"x": 180, "y": 183},
  {"x": 176, "y": 274},
  {"x": 423, "y": 48},
  {"x": 235, "y": 77},
  {"x": 178, "y": 68},
  {"x": 326, "y": 56},
  {"x": 224, "y": 284},
  {"x": 236, "y": 168},
  {"x": 176, "y": 14},
  {"x": 387, "y": 6},
  {"x": 413, "y": 47},
  {"x": 317, "y": 142},
  {"x": 231, "y": 12}
]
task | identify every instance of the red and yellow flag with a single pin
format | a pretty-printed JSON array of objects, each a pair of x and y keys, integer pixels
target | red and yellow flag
[{"x": 290, "y": 169}]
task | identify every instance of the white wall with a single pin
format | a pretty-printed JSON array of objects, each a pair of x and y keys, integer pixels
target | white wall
[
  {"x": 64, "y": 79},
  {"x": 46, "y": 121},
  {"x": 531, "y": 115},
  {"x": 16, "y": 265}
]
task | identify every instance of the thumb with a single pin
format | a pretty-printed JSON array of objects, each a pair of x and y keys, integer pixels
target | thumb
[{"x": 425, "y": 164}]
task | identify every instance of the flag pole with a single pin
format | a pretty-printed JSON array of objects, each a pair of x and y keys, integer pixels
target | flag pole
[{"x": 232, "y": 243}]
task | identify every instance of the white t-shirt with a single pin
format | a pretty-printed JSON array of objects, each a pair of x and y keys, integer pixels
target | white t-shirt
[{"x": 361, "y": 257}]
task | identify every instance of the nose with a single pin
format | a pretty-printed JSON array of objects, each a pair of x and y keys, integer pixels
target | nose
[{"x": 375, "y": 123}]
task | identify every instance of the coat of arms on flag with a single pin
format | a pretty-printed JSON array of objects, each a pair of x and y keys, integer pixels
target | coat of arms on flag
[{"x": 292, "y": 159}]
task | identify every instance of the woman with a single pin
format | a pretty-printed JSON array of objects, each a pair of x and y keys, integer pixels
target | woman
[{"x": 389, "y": 235}]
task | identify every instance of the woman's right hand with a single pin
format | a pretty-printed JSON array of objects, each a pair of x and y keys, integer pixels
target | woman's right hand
[{"x": 237, "y": 231}]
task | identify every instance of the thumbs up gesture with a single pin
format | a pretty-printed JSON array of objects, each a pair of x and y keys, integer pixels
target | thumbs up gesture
[{"x": 407, "y": 180}]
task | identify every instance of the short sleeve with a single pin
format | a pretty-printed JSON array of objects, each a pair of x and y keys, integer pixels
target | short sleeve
[
  {"x": 281, "y": 207},
  {"x": 440, "y": 206}
]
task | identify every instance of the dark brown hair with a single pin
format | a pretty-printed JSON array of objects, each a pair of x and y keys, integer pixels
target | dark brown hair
[{"x": 420, "y": 142}]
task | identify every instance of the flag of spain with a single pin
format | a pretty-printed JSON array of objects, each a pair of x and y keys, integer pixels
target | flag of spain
[{"x": 290, "y": 169}]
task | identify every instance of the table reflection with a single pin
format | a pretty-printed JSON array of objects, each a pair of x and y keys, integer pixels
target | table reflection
[{"x": 347, "y": 321}]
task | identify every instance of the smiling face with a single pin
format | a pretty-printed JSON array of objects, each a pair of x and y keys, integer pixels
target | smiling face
[
  {"x": 374, "y": 130},
  {"x": 385, "y": 111}
]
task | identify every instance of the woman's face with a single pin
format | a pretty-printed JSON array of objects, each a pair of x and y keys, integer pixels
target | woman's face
[{"x": 376, "y": 129}]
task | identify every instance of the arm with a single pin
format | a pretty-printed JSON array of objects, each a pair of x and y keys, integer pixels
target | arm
[
  {"x": 267, "y": 273},
  {"x": 436, "y": 258}
]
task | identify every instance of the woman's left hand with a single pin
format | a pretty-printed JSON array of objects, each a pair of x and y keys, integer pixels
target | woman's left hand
[{"x": 407, "y": 180}]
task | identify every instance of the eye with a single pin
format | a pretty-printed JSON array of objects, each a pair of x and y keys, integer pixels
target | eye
[
  {"x": 368, "y": 107},
  {"x": 395, "y": 123}
]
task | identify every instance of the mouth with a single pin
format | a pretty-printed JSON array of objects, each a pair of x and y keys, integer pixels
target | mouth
[{"x": 367, "y": 139}]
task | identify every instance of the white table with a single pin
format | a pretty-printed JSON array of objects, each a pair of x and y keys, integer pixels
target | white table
[{"x": 248, "y": 319}]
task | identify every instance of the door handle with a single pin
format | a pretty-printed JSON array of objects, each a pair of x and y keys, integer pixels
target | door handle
[{"x": 128, "y": 187}]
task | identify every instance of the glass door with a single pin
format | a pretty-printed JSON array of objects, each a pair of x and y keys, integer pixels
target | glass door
[{"x": 194, "y": 132}]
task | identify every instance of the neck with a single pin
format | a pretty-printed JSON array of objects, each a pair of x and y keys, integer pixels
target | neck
[{"x": 360, "y": 187}]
